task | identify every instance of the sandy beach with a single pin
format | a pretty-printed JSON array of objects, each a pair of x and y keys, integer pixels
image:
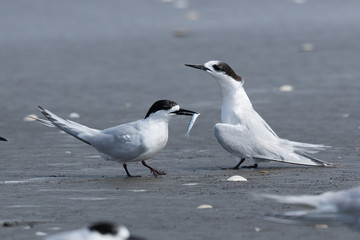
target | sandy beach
[{"x": 108, "y": 61}]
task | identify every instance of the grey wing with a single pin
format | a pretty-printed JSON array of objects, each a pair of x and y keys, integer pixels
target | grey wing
[
  {"x": 238, "y": 141},
  {"x": 123, "y": 142}
]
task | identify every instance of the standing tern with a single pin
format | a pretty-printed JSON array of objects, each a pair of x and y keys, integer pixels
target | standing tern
[
  {"x": 129, "y": 142},
  {"x": 2, "y": 139},
  {"x": 327, "y": 208},
  {"x": 97, "y": 231},
  {"x": 243, "y": 132}
]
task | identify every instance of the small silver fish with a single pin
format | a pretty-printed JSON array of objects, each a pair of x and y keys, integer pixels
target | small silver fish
[{"x": 191, "y": 123}]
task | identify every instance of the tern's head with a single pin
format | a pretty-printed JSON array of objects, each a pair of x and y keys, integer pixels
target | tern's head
[
  {"x": 165, "y": 109},
  {"x": 111, "y": 231},
  {"x": 222, "y": 72}
]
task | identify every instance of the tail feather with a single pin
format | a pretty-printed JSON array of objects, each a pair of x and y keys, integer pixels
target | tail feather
[
  {"x": 298, "y": 158},
  {"x": 70, "y": 127},
  {"x": 2, "y": 139},
  {"x": 316, "y": 160},
  {"x": 43, "y": 121},
  {"x": 306, "y": 147}
]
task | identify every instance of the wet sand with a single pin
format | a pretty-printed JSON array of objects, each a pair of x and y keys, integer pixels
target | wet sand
[{"x": 110, "y": 61}]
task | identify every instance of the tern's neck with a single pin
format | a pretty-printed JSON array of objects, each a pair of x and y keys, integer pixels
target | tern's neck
[
  {"x": 155, "y": 120},
  {"x": 234, "y": 103}
]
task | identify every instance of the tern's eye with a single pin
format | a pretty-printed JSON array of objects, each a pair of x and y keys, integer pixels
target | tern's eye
[{"x": 216, "y": 68}]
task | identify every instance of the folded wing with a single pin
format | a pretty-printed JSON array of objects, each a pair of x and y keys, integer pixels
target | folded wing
[{"x": 241, "y": 142}]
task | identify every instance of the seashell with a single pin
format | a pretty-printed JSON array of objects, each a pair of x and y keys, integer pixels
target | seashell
[
  {"x": 236, "y": 178},
  {"x": 286, "y": 88},
  {"x": 204, "y": 206}
]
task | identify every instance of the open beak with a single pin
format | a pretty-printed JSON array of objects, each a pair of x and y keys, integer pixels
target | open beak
[
  {"x": 182, "y": 111},
  {"x": 201, "y": 67}
]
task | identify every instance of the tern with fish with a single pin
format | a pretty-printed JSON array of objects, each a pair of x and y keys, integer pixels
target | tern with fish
[{"x": 129, "y": 142}]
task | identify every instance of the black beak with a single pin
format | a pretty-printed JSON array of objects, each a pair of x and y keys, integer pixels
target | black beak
[
  {"x": 184, "y": 112},
  {"x": 2, "y": 139},
  {"x": 201, "y": 67}
]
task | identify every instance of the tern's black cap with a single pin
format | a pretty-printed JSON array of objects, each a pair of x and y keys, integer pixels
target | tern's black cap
[
  {"x": 224, "y": 67},
  {"x": 161, "y": 105},
  {"x": 218, "y": 66},
  {"x": 104, "y": 228}
]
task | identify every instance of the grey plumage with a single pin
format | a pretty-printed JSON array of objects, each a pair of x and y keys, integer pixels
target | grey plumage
[{"x": 129, "y": 142}]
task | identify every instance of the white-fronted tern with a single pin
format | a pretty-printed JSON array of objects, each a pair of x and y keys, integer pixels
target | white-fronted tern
[
  {"x": 243, "y": 132},
  {"x": 97, "y": 231},
  {"x": 129, "y": 142}
]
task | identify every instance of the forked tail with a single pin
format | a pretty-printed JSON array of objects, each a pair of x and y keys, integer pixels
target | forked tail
[
  {"x": 306, "y": 147},
  {"x": 74, "y": 129}
]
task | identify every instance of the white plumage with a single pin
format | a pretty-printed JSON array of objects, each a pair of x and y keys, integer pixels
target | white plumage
[{"x": 243, "y": 132}]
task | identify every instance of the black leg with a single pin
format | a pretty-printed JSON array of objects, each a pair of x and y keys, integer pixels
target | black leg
[
  {"x": 238, "y": 165},
  {"x": 153, "y": 170},
  {"x": 252, "y": 166},
  {"x": 127, "y": 172},
  {"x": 241, "y": 161}
]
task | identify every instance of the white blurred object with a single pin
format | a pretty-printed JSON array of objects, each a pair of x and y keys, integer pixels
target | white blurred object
[
  {"x": 307, "y": 47},
  {"x": 97, "y": 231},
  {"x": 286, "y": 88},
  {"x": 328, "y": 208},
  {"x": 74, "y": 115},
  {"x": 40, "y": 234}
]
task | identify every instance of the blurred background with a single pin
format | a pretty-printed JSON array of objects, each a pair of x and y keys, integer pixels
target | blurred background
[{"x": 108, "y": 61}]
